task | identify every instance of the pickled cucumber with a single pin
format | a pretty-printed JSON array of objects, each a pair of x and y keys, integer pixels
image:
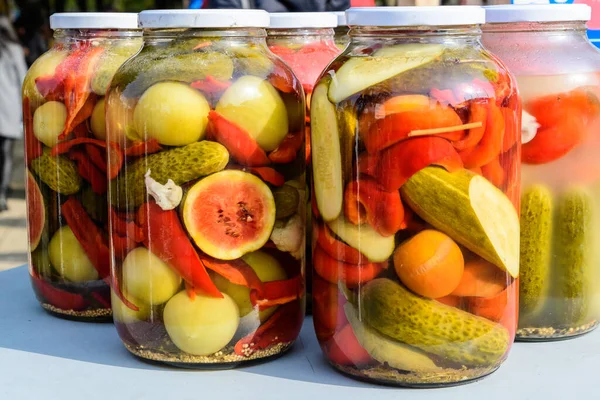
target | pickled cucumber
[
  {"x": 182, "y": 164},
  {"x": 431, "y": 326},
  {"x": 348, "y": 127},
  {"x": 59, "y": 173},
  {"x": 107, "y": 67},
  {"x": 384, "y": 350},
  {"x": 286, "y": 201},
  {"x": 536, "y": 247},
  {"x": 250, "y": 61},
  {"x": 573, "y": 244}
]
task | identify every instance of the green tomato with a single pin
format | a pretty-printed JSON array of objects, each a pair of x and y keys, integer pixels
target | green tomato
[
  {"x": 255, "y": 105},
  {"x": 98, "y": 122},
  {"x": 124, "y": 314},
  {"x": 267, "y": 269},
  {"x": 49, "y": 122},
  {"x": 172, "y": 113},
  {"x": 147, "y": 278},
  {"x": 201, "y": 326},
  {"x": 42, "y": 67},
  {"x": 68, "y": 257}
]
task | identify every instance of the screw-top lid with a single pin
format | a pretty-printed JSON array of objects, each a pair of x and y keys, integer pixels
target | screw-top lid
[
  {"x": 537, "y": 13},
  {"x": 204, "y": 19},
  {"x": 415, "y": 16},
  {"x": 303, "y": 20},
  {"x": 341, "y": 16},
  {"x": 94, "y": 20}
]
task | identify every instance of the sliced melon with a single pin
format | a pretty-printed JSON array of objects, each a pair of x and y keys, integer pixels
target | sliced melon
[
  {"x": 326, "y": 155},
  {"x": 363, "y": 238},
  {"x": 395, "y": 354},
  {"x": 359, "y": 73}
]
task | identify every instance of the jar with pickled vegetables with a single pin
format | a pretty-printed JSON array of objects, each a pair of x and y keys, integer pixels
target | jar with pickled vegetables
[
  {"x": 65, "y": 153},
  {"x": 305, "y": 42},
  {"x": 341, "y": 31},
  {"x": 207, "y": 212},
  {"x": 415, "y": 161},
  {"x": 558, "y": 74}
]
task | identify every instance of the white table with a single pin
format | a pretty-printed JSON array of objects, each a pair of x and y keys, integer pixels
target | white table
[{"x": 42, "y": 357}]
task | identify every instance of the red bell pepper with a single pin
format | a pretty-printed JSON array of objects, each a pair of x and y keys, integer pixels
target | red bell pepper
[
  {"x": 122, "y": 245},
  {"x": 115, "y": 157},
  {"x": 276, "y": 293},
  {"x": 344, "y": 349},
  {"x": 241, "y": 146},
  {"x": 327, "y": 308},
  {"x": 89, "y": 171},
  {"x": 282, "y": 327},
  {"x": 91, "y": 238},
  {"x": 288, "y": 149},
  {"x": 86, "y": 111},
  {"x": 139, "y": 149},
  {"x": 352, "y": 275},
  {"x": 50, "y": 87},
  {"x": 165, "y": 237},
  {"x": 282, "y": 80},
  {"x": 478, "y": 113},
  {"x": 97, "y": 156},
  {"x": 65, "y": 146},
  {"x": 237, "y": 271},
  {"x": 336, "y": 248},
  {"x": 33, "y": 147},
  {"x": 210, "y": 85},
  {"x": 493, "y": 172},
  {"x": 268, "y": 175},
  {"x": 512, "y": 128},
  {"x": 490, "y": 144},
  {"x": 123, "y": 227},
  {"x": 367, "y": 164},
  {"x": 58, "y": 298}
]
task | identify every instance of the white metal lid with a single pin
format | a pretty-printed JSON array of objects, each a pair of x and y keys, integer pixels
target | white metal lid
[
  {"x": 538, "y": 13},
  {"x": 415, "y": 16},
  {"x": 229, "y": 18},
  {"x": 94, "y": 20},
  {"x": 341, "y": 16},
  {"x": 303, "y": 20}
]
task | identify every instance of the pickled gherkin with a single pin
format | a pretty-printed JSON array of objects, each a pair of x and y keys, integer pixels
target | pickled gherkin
[{"x": 59, "y": 173}]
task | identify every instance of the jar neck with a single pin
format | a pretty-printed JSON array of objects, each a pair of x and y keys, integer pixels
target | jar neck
[
  {"x": 247, "y": 35},
  {"x": 300, "y": 32},
  {"x": 73, "y": 35},
  {"x": 464, "y": 35}
]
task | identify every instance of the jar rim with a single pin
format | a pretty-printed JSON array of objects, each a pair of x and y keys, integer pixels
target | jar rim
[
  {"x": 94, "y": 20},
  {"x": 415, "y": 16},
  {"x": 537, "y": 13},
  {"x": 303, "y": 20},
  {"x": 227, "y": 18}
]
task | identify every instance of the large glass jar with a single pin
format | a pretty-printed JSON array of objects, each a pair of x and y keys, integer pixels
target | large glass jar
[
  {"x": 306, "y": 43},
  {"x": 65, "y": 152},
  {"x": 207, "y": 217},
  {"x": 415, "y": 160},
  {"x": 558, "y": 73}
]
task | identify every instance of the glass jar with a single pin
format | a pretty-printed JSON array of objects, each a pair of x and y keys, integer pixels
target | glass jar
[
  {"x": 341, "y": 31},
  {"x": 414, "y": 144},
  {"x": 305, "y": 42},
  {"x": 207, "y": 222},
  {"x": 558, "y": 73},
  {"x": 65, "y": 153}
]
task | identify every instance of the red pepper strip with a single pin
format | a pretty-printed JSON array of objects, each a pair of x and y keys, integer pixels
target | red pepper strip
[
  {"x": 166, "y": 238},
  {"x": 50, "y": 88},
  {"x": 288, "y": 149},
  {"x": 493, "y": 172},
  {"x": 268, "y": 175},
  {"x": 115, "y": 160},
  {"x": 85, "y": 112},
  {"x": 241, "y": 146},
  {"x": 126, "y": 228},
  {"x": 352, "y": 275},
  {"x": 64, "y": 147},
  {"x": 122, "y": 245},
  {"x": 282, "y": 79},
  {"x": 237, "y": 271},
  {"x": 33, "y": 147},
  {"x": 103, "y": 302},
  {"x": 367, "y": 164},
  {"x": 77, "y": 85},
  {"x": 202, "y": 45},
  {"x": 336, "y": 248},
  {"x": 88, "y": 235},
  {"x": 512, "y": 128},
  {"x": 479, "y": 113},
  {"x": 276, "y": 293},
  {"x": 366, "y": 202},
  {"x": 491, "y": 143},
  {"x": 139, "y": 149},
  {"x": 81, "y": 131},
  {"x": 282, "y": 327},
  {"x": 58, "y": 298},
  {"x": 97, "y": 156},
  {"x": 90, "y": 172},
  {"x": 211, "y": 85}
]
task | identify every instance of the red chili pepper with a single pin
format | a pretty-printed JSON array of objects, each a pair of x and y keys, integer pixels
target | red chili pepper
[
  {"x": 288, "y": 149},
  {"x": 268, "y": 175},
  {"x": 211, "y": 85},
  {"x": 33, "y": 147},
  {"x": 352, "y": 275},
  {"x": 276, "y": 293},
  {"x": 123, "y": 227},
  {"x": 77, "y": 83},
  {"x": 237, "y": 271},
  {"x": 81, "y": 131},
  {"x": 88, "y": 235},
  {"x": 90, "y": 172},
  {"x": 64, "y": 147},
  {"x": 282, "y": 327},
  {"x": 241, "y": 146},
  {"x": 166, "y": 238},
  {"x": 115, "y": 157},
  {"x": 57, "y": 297},
  {"x": 50, "y": 88},
  {"x": 139, "y": 149},
  {"x": 86, "y": 111},
  {"x": 97, "y": 156},
  {"x": 122, "y": 245}
]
